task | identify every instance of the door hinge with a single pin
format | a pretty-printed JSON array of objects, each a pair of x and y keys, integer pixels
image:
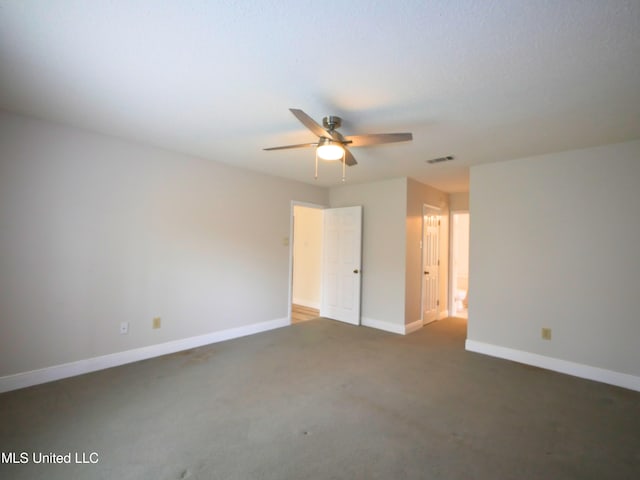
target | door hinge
[
  {"x": 438, "y": 222},
  {"x": 438, "y": 262},
  {"x": 437, "y": 303}
]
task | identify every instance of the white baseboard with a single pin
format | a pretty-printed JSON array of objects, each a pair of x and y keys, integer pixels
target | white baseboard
[
  {"x": 412, "y": 327},
  {"x": 57, "y": 372},
  {"x": 557, "y": 365},
  {"x": 382, "y": 325},
  {"x": 391, "y": 327}
]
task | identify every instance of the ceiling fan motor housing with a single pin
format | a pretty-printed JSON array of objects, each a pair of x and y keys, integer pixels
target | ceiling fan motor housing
[{"x": 331, "y": 122}]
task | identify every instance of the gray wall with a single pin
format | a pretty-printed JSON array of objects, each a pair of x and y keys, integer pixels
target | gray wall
[
  {"x": 392, "y": 258},
  {"x": 383, "y": 245},
  {"x": 95, "y": 231},
  {"x": 554, "y": 243}
]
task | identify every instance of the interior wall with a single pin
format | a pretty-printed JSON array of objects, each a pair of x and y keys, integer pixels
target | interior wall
[
  {"x": 383, "y": 246},
  {"x": 555, "y": 244},
  {"x": 459, "y": 201},
  {"x": 307, "y": 256},
  {"x": 95, "y": 231},
  {"x": 419, "y": 194}
]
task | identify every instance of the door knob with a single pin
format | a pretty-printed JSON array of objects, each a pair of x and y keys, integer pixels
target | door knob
[
  {"x": 426, "y": 273},
  {"x": 356, "y": 271}
]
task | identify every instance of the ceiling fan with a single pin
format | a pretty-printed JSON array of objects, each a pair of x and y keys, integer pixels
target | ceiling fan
[{"x": 332, "y": 145}]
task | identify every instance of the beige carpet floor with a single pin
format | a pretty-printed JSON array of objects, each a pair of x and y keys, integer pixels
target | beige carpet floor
[{"x": 325, "y": 400}]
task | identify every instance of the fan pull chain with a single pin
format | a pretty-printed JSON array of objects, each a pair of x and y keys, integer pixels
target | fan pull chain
[{"x": 344, "y": 162}]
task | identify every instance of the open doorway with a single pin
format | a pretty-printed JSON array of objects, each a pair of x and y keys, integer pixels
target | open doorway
[
  {"x": 459, "y": 264},
  {"x": 325, "y": 263},
  {"x": 306, "y": 262}
]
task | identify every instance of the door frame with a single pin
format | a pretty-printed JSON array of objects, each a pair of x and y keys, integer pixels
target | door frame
[
  {"x": 429, "y": 209},
  {"x": 291, "y": 240}
]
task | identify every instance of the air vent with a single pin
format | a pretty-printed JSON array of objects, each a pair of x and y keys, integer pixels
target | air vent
[{"x": 440, "y": 159}]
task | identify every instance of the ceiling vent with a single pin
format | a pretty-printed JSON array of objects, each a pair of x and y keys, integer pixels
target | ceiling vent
[{"x": 440, "y": 159}]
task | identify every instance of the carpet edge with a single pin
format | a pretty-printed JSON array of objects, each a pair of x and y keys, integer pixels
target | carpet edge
[
  {"x": 580, "y": 370},
  {"x": 93, "y": 364}
]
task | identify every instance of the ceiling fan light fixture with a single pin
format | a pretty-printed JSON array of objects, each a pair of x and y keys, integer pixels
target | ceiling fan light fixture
[{"x": 329, "y": 150}]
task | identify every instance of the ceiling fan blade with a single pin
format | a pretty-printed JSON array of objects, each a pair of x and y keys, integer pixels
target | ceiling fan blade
[
  {"x": 311, "y": 124},
  {"x": 377, "y": 139},
  {"x": 336, "y": 135},
  {"x": 286, "y": 147},
  {"x": 349, "y": 159}
]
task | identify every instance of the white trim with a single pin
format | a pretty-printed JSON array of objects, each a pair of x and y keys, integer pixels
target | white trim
[
  {"x": 441, "y": 316},
  {"x": 563, "y": 366},
  {"x": 391, "y": 327},
  {"x": 57, "y": 372},
  {"x": 413, "y": 326},
  {"x": 382, "y": 325}
]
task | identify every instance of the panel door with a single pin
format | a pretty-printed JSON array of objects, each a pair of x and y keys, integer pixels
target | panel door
[
  {"x": 430, "y": 268},
  {"x": 342, "y": 254}
]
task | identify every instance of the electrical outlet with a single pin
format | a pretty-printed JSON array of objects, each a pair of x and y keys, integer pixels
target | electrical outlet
[
  {"x": 546, "y": 334},
  {"x": 157, "y": 322},
  {"x": 124, "y": 328}
]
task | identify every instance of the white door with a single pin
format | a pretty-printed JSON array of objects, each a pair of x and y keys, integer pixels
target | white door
[
  {"x": 341, "y": 264},
  {"x": 430, "y": 267}
]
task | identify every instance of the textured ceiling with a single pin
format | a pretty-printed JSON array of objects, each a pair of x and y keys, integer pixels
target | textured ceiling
[{"x": 483, "y": 80}]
